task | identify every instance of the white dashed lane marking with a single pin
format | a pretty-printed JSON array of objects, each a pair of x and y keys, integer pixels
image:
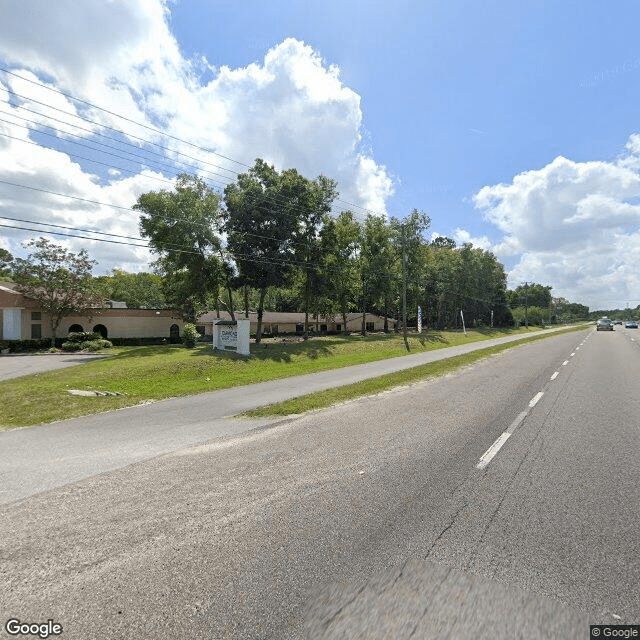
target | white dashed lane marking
[
  {"x": 488, "y": 455},
  {"x": 534, "y": 400},
  {"x": 491, "y": 452}
]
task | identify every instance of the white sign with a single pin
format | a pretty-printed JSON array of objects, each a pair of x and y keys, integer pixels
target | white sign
[{"x": 232, "y": 337}]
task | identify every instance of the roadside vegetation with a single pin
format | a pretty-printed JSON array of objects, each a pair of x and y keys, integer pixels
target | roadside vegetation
[
  {"x": 414, "y": 375},
  {"x": 151, "y": 373}
]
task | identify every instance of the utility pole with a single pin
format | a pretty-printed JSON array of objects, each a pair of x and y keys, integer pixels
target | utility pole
[
  {"x": 526, "y": 304},
  {"x": 404, "y": 287}
]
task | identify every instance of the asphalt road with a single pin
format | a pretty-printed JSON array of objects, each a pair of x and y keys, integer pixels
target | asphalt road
[
  {"x": 384, "y": 517},
  {"x": 44, "y": 457}
]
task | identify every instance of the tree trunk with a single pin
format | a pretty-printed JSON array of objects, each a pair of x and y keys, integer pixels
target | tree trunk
[
  {"x": 54, "y": 328},
  {"x": 260, "y": 306},
  {"x": 307, "y": 287},
  {"x": 233, "y": 315},
  {"x": 386, "y": 314}
]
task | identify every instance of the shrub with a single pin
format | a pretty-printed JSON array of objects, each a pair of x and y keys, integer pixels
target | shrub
[
  {"x": 190, "y": 332},
  {"x": 84, "y": 336},
  {"x": 87, "y": 345},
  {"x": 91, "y": 345}
]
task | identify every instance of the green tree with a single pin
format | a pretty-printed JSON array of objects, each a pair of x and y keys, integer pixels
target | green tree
[
  {"x": 530, "y": 294},
  {"x": 340, "y": 240},
  {"x": 261, "y": 220},
  {"x": 184, "y": 227},
  {"x": 6, "y": 260},
  {"x": 138, "y": 290},
  {"x": 380, "y": 268},
  {"x": 58, "y": 280},
  {"x": 313, "y": 203}
]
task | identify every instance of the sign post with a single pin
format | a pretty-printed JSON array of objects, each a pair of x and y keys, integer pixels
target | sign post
[{"x": 463, "y": 327}]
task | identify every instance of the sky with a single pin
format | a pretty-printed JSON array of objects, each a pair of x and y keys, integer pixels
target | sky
[{"x": 514, "y": 126}]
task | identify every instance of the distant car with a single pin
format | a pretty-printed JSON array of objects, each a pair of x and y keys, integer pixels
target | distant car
[
  {"x": 604, "y": 324},
  {"x": 631, "y": 324},
  {"x": 617, "y": 322}
]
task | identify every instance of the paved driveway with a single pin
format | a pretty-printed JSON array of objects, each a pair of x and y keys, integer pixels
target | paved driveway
[{"x": 14, "y": 365}]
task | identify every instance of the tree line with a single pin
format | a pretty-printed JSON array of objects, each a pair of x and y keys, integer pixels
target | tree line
[
  {"x": 271, "y": 242},
  {"x": 271, "y": 237}
]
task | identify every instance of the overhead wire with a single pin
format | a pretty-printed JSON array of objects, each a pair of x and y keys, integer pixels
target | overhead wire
[{"x": 147, "y": 127}]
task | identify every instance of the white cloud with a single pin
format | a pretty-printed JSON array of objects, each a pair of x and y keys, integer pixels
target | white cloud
[
  {"x": 573, "y": 225},
  {"x": 291, "y": 109},
  {"x": 461, "y": 237}
]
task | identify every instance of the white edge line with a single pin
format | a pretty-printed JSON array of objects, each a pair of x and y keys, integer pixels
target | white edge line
[
  {"x": 534, "y": 400},
  {"x": 488, "y": 455},
  {"x": 554, "y": 376}
]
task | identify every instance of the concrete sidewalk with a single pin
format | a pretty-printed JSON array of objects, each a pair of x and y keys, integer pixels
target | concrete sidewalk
[{"x": 43, "y": 457}]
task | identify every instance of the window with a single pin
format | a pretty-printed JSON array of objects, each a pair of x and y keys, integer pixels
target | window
[
  {"x": 370, "y": 326},
  {"x": 36, "y": 331},
  {"x": 76, "y": 328},
  {"x": 338, "y": 327},
  {"x": 36, "y": 316},
  {"x": 299, "y": 328},
  {"x": 323, "y": 327}
]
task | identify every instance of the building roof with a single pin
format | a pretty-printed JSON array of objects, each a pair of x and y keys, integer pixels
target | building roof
[{"x": 282, "y": 317}]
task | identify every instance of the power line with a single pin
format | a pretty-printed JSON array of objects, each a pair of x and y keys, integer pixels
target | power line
[{"x": 152, "y": 129}]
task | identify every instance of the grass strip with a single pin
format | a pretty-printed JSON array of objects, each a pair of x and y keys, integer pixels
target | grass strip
[
  {"x": 372, "y": 386},
  {"x": 150, "y": 373}
]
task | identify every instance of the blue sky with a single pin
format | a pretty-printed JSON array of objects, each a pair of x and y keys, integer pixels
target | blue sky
[{"x": 513, "y": 125}]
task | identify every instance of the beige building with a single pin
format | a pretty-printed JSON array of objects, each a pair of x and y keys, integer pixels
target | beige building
[
  {"x": 274, "y": 322},
  {"x": 21, "y": 319}
]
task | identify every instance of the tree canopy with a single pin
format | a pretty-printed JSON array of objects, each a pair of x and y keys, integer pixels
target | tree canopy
[
  {"x": 183, "y": 227},
  {"x": 59, "y": 280}
]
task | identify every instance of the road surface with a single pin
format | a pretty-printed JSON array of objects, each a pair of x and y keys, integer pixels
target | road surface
[{"x": 497, "y": 502}]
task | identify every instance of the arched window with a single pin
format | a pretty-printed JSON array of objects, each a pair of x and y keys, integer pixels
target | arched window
[
  {"x": 76, "y": 328},
  {"x": 174, "y": 333},
  {"x": 101, "y": 329}
]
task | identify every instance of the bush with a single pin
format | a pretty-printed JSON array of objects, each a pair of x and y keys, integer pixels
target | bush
[
  {"x": 87, "y": 345},
  {"x": 92, "y": 345},
  {"x": 22, "y": 346},
  {"x": 190, "y": 332},
  {"x": 84, "y": 336}
]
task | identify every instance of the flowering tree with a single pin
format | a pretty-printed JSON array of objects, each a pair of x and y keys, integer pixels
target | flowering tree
[{"x": 58, "y": 280}]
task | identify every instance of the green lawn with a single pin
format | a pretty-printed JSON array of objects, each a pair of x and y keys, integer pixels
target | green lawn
[{"x": 152, "y": 373}]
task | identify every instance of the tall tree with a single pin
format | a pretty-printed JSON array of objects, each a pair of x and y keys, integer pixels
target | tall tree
[
  {"x": 340, "y": 240},
  {"x": 261, "y": 219},
  {"x": 184, "y": 227},
  {"x": 380, "y": 268},
  {"x": 313, "y": 204},
  {"x": 58, "y": 280}
]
